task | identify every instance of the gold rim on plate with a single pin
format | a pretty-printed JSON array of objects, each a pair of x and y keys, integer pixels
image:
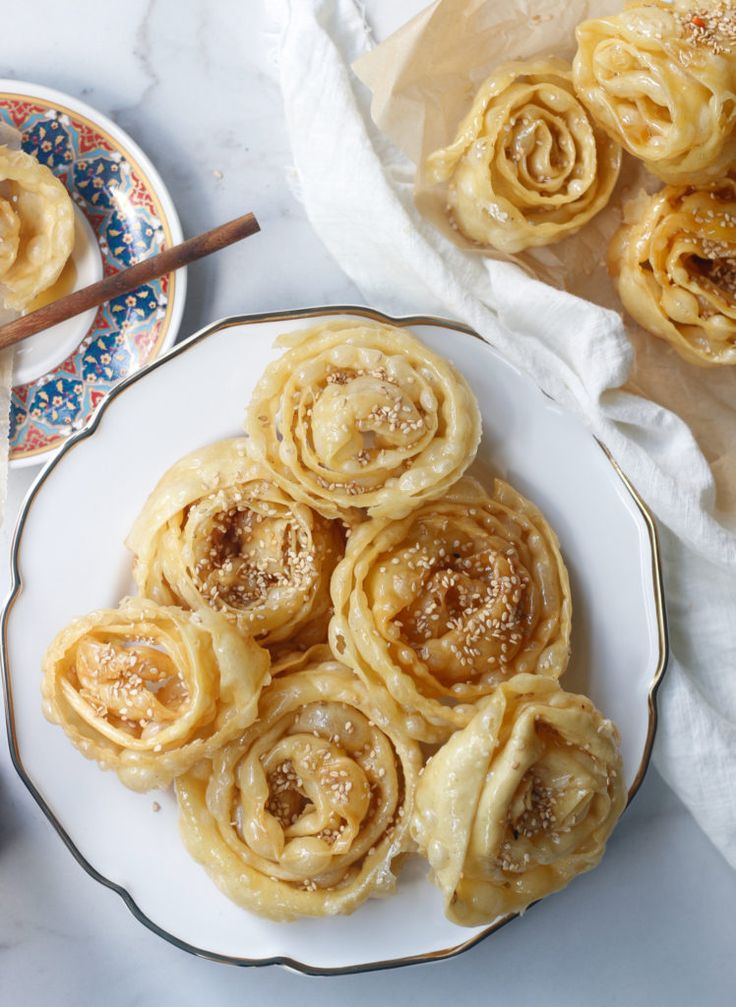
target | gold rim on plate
[{"x": 16, "y": 587}]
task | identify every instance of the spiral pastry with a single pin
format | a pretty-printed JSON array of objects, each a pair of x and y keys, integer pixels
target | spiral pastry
[
  {"x": 36, "y": 228},
  {"x": 305, "y": 813},
  {"x": 520, "y": 801},
  {"x": 147, "y": 690},
  {"x": 218, "y": 533},
  {"x": 9, "y": 236},
  {"x": 659, "y": 78},
  {"x": 674, "y": 265},
  {"x": 441, "y": 606},
  {"x": 360, "y": 418},
  {"x": 528, "y": 165}
]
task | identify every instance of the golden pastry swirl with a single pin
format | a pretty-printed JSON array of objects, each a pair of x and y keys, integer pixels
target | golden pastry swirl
[
  {"x": 304, "y": 814},
  {"x": 36, "y": 228},
  {"x": 660, "y": 79},
  {"x": 441, "y": 606},
  {"x": 520, "y": 801},
  {"x": 147, "y": 690},
  {"x": 9, "y": 236},
  {"x": 674, "y": 265},
  {"x": 217, "y": 532},
  {"x": 358, "y": 417},
  {"x": 528, "y": 165}
]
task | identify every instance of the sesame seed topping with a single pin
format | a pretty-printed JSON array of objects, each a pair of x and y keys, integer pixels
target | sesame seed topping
[{"x": 713, "y": 28}]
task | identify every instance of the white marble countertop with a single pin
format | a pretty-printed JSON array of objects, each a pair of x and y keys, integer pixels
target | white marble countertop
[{"x": 654, "y": 924}]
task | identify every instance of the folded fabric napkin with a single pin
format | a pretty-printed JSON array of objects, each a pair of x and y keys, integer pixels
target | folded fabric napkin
[{"x": 357, "y": 192}]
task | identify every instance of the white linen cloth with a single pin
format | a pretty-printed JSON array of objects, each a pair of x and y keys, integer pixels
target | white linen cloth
[{"x": 357, "y": 192}]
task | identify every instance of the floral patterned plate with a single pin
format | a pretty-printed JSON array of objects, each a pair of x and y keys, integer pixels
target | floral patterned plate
[{"x": 123, "y": 214}]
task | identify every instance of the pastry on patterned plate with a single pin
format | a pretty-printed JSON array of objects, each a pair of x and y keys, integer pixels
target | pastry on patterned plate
[
  {"x": 674, "y": 265},
  {"x": 217, "y": 532},
  {"x": 660, "y": 77},
  {"x": 528, "y": 165},
  {"x": 520, "y": 801},
  {"x": 305, "y": 813},
  {"x": 359, "y": 418},
  {"x": 147, "y": 690},
  {"x": 441, "y": 606},
  {"x": 36, "y": 228}
]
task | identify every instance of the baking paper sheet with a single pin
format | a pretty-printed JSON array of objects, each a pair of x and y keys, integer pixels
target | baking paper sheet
[{"x": 423, "y": 80}]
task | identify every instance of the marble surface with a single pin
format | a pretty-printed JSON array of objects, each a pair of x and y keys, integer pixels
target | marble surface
[{"x": 191, "y": 81}]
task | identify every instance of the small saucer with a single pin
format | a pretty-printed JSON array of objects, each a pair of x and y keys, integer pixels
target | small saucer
[{"x": 123, "y": 214}]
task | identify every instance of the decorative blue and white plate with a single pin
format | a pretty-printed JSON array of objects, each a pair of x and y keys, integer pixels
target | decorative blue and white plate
[{"x": 123, "y": 214}]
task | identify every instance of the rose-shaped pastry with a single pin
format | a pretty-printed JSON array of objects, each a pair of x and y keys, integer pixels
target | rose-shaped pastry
[
  {"x": 660, "y": 79},
  {"x": 305, "y": 813},
  {"x": 674, "y": 265},
  {"x": 528, "y": 165},
  {"x": 147, "y": 690},
  {"x": 217, "y": 532},
  {"x": 9, "y": 236},
  {"x": 360, "y": 417},
  {"x": 36, "y": 228},
  {"x": 458, "y": 596},
  {"x": 520, "y": 801}
]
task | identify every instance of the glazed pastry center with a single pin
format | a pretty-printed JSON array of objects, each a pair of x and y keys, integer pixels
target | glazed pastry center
[
  {"x": 310, "y": 797},
  {"x": 473, "y": 602},
  {"x": 358, "y": 415},
  {"x": 134, "y": 688},
  {"x": 246, "y": 554},
  {"x": 542, "y": 149}
]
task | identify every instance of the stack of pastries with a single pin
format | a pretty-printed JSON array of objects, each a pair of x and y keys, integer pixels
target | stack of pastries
[
  {"x": 539, "y": 153},
  {"x": 345, "y": 650}
]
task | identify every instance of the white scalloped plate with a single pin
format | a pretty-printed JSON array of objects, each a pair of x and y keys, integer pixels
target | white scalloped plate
[{"x": 69, "y": 558}]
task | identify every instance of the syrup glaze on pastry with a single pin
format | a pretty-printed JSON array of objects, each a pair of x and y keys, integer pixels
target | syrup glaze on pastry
[
  {"x": 361, "y": 419},
  {"x": 36, "y": 228},
  {"x": 674, "y": 266},
  {"x": 659, "y": 78},
  {"x": 216, "y": 532},
  {"x": 460, "y": 595},
  {"x": 528, "y": 166},
  {"x": 520, "y": 801},
  {"x": 148, "y": 690},
  {"x": 305, "y": 814}
]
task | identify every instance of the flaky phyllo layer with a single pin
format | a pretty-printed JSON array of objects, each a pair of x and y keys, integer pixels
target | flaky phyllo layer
[
  {"x": 674, "y": 265},
  {"x": 306, "y": 812},
  {"x": 360, "y": 418},
  {"x": 443, "y": 605},
  {"x": 148, "y": 690},
  {"x": 218, "y": 533},
  {"x": 36, "y": 228},
  {"x": 519, "y": 801},
  {"x": 660, "y": 79},
  {"x": 529, "y": 165}
]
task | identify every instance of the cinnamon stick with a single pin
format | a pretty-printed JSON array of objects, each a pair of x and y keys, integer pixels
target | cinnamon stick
[{"x": 128, "y": 279}]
